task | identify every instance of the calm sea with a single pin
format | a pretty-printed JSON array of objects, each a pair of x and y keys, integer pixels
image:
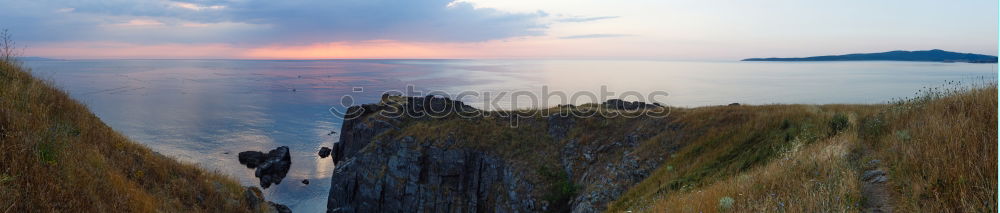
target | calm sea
[{"x": 206, "y": 111}]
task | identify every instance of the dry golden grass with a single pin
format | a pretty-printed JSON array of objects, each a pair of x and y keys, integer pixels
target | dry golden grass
[
  {"x": 811, "y": 178},
  {"x": 723, "y": 143},
  {"x": 56, "y": 156},
  {"x": 700, "y": 146},
  {"x": 938, "y": 149}
]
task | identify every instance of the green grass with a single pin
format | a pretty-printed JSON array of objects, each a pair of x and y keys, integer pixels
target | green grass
[{"x": 560, "y": 189}]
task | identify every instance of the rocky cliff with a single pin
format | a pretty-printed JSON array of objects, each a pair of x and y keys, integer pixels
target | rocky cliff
[{"x": 427, "y": 154}]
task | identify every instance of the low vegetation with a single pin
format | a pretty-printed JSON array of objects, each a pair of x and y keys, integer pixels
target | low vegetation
[
  {"x": 734, "y": 149},
  {"x": 56, "y": 156},
  {"x": 938, "y": 150}
]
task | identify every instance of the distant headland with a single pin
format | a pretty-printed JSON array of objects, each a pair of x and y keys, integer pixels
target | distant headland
[{"x": 934, "y": 55}]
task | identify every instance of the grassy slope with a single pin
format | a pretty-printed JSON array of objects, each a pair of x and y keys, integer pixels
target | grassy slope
[
  {"x": 938, "y": 149},
  {"x": 800, "y": 158},
  {"x": 719, "y": 142},
  {"x": 756, "y": 136},
  {"x": 55, "y": 155}
]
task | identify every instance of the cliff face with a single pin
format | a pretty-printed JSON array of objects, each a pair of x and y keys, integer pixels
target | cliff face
[
  {"x": 410, "y": 176},
  {"x": 374, "y": 175},
  {"x": 386, "y": 162},
  {"x": 604, "y": 168},
  {"x": 604, "y": 180}
]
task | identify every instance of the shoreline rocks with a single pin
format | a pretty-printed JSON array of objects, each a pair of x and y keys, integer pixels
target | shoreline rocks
[
  {"x": 324, "y": 152},
  {"x": 271, "y": 168},
  {"x": 255, "y": 198}
]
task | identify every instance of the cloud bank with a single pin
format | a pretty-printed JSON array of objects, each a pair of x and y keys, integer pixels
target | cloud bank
[{"x": 263, "y": 21}]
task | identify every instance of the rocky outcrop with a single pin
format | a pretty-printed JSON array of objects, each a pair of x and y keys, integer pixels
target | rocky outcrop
[
  {"x": 604, "y": 171},
  {"x": 628, "y": 105},
  {"x": 271, "y": 168},
  {"x": 411, "y": 176},
  {"x": 255, "y": 199},
  {"x": 356, "y": 134},
  {"x": 418, "y": 176},
  {"x": 358, "y": 130},
  {"x": 376, "y": 173}
]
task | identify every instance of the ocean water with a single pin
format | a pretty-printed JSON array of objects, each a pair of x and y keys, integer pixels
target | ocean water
[{"x": 207, "y": 111}]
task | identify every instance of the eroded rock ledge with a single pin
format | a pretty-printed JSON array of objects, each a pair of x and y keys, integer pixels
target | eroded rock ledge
[{"x": 383, "y": 165}]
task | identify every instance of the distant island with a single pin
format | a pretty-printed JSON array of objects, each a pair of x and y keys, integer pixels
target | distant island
[{"x": 935, "y": 55}]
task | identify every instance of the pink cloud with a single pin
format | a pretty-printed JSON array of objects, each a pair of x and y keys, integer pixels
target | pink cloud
[
  {"x": 377, "y": 49},
  {"x": 119, "y": 50}
]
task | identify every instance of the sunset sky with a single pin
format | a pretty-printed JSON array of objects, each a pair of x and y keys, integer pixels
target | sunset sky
[{"x": 554, "y": 29}]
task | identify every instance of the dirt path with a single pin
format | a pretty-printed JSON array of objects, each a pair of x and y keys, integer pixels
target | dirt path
[{"x": 875, "y": 191}]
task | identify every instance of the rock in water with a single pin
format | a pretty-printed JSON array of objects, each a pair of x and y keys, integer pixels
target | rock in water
[
  {"x": 306, "y": 182},
  {"x": 324, "y": 152},
  {"x": 271, "y": 167},
  {"x": 251, "y": 158}
]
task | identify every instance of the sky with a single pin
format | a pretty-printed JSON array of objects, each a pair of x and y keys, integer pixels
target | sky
[{"x": 494, "y": 29}]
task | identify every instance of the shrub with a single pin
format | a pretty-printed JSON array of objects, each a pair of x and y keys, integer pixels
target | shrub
[
  {"x": 726, "y": 203},
  {"x": 839, "y": 123},
  {"x": 561, "y": 189},
  {"x": 872, "y": 127}
]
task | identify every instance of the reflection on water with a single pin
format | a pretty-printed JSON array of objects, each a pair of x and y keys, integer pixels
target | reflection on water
[{"x": 206, "y": 111}]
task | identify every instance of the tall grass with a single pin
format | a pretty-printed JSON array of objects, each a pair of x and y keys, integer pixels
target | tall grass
[
  {"x": 749, "y": 153},
  {"x": 815, "y": 178},
  {"x": 939, "y": 149},
  {"x": 56, "y": 156}
]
